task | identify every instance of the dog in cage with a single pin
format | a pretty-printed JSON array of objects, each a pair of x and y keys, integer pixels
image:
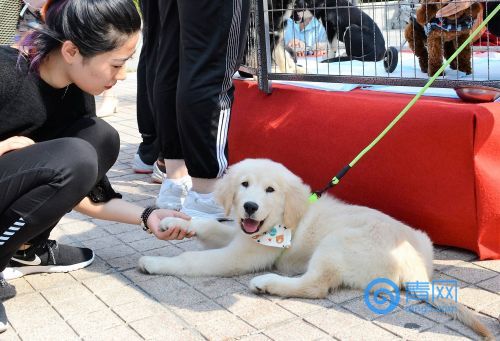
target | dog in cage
[
  {"x": 343, "y": 22},
  {"x": 432, "y": 38},
  {"x": 347, "y": 23}
]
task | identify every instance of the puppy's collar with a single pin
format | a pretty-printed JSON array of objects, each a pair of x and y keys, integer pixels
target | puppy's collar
[
  {"x": 449, "y": 25},
  {"x": 278, "y": 236}
]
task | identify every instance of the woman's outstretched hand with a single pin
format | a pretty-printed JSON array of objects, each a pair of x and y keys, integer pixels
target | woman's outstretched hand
[
  {"x": 14, "y": 142},
  {"x": 176, "y": 233}
]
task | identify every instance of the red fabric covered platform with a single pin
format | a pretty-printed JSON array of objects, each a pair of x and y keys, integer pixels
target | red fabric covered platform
[{"x": 438, "y": 169}]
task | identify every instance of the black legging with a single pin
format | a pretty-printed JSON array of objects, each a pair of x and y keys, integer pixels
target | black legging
[
  {"x": 42, "y": 182},
  {"x": 199, "y": 45},
  {"x": 148, "y": 148}
]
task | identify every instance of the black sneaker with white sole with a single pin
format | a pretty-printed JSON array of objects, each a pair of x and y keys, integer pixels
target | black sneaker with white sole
[{"x": 48, "y": 256}]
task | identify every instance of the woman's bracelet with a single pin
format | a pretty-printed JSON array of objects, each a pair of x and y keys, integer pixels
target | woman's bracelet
[{"x": 144, "y": 218}]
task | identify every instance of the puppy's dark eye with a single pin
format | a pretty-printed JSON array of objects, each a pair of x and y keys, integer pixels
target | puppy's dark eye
[
  {"x": 244, "y": 184},
  {"x": 269, "y": 189}
]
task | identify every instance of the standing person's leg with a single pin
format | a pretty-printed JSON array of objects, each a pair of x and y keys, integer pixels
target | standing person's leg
[
  {"x": 494, "y": 24},
  {"x": 148, "y": 150},
  {"x": 105, "y": 144},
  {"x": 40, "y": 184},
  {"x": 213, "y": 37},
  {"x": 175, "y": 187}
]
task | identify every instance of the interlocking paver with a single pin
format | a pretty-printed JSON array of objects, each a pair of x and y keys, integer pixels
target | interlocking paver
[
  {"x": 213, "y": 321},
  {"x": 489, "y": 264},
  {"x": 492, "y": 310},
  {"x": 334, "y": 319},
  {"x": 125, "y": 262},
  {"x": 166, "y": 251},
  {"x": 73, "y": 300},
  {"x": 115, "y": 229},
  {"x": 441, "y": 333},
  {"x": 359, "y": 307},
  {"x": 112, "y": 300},
  {"x": 257, "y": 311},
  {"x": 121, "y": 295},
  {"x": 23, "y": 304},
  {"x": 492, "y": 284},
  {"x": 476, "y": 298},
  {"x": 119, "y": 333},
  {"x": 295, "y": 330},
  {"x": 215, "y": 286},
  {"x": 430, "y": 312},
  {"x": 449, "y": 257},
  {"x": 115, "y": 251},
  {"x": 94, "y": 322},
  {"x": 140, "y": 309},
  {"x": 365, "y": 331},
  {"x": 10, "y": 335},
  {"x": 147, "y": 244},
  {"x": 172, "y": 291},
  {"x": 469, "y": 272},
  {"x": 102, "y": 243},
  {"x": 22, "y": 286},
  {"x": 37, "y": 320},
  {"x": 164, "y": 327},
  {"x": 132, "y": 236},
  {"x": 255, "y": 337},
  {"x": 404, "y": 324},
  {"x": 302, "y": 306},
  {"x": 44, "y": 281}
]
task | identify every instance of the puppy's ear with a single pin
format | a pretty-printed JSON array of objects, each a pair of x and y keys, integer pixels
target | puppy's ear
[
  {"x": 225, "y": 190},
  {"x": 296, "y": 201}
]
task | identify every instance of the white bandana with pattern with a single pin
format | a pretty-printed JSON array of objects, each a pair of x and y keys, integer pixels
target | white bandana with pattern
[{"x": 278, "y": 236}]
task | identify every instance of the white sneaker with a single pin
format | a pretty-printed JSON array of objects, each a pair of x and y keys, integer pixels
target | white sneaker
[
  {"x": 140, "y": 167},
  {"x": 199, "y": 205},
  {"x": 173, "y": 193},
  {"x": 158, "y": 175}
]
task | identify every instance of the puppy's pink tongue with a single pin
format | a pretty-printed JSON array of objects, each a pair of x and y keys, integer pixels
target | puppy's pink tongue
[{"x": 250, "y": 225}]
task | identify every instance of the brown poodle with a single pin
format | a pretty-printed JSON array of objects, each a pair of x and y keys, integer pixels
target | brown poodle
[{"x": 431, "y": 38}]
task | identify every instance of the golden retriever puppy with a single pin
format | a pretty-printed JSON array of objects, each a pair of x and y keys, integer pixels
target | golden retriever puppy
[{"x": 327, "y": 243}]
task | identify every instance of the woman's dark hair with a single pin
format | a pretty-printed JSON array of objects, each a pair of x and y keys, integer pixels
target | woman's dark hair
[{"x": 94, "y": 26}]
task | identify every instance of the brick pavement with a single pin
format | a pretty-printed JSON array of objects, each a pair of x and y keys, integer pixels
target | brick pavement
[{"x": 111, "y": 300}]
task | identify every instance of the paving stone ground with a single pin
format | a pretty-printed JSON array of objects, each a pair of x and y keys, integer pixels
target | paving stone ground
[{"x": 111, "y": 300}]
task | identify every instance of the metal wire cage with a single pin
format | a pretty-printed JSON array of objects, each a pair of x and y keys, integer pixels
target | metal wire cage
[
  {"x": 368, "y": 42},
  {"x": 9, "y": 17}
]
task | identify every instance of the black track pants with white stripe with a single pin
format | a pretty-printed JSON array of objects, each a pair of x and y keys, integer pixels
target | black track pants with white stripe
[
  {"x": 200, "y": 45},
  {"x": 39, "y": 184}
]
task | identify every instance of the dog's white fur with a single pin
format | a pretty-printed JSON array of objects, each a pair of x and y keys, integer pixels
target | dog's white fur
[{"x": 333, "y": 243}]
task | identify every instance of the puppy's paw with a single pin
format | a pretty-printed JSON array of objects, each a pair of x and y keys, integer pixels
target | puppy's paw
[
  {"x": 151, "y": 265},
  {"x": 467, "y": 69},
  {"x": 294, "y": 68},
  {"x": 265, "y": 284},
  {"x": 299, "y": 69},
  {"x": 171, "y": 222}
]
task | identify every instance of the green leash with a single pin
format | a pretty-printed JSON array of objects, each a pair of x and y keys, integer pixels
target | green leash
[{"x": 336, "y": 179}]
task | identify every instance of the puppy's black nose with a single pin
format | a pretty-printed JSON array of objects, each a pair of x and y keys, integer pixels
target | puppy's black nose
[{"x": 250, "y": 207}]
